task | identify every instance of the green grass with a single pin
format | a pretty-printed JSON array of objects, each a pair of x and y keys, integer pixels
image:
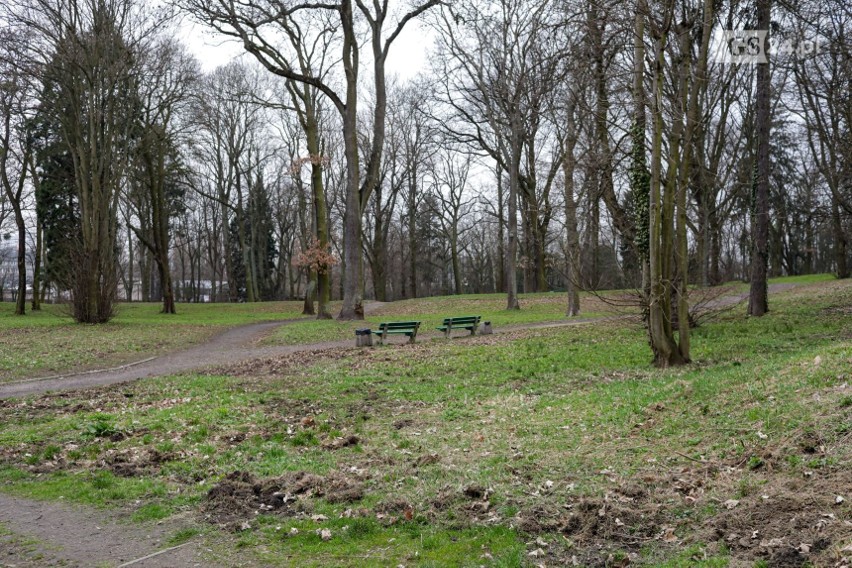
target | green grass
[
  {"x": 542, "y": 420},
  {"x": 48, "y": 342},
  {"x": 364, "y": 542},
  {"x": 797, "y": 280},
  {"x": 535, "y": 308}
]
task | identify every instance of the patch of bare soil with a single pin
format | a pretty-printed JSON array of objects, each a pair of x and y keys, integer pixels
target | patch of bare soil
[
  {"x": 282, "y": 365},
  {"x": 234, "y": 502},
  {"x": 786, "y": 522},
  {"x": 791, "y": 522},
  {"x": 132, "y": 463}
]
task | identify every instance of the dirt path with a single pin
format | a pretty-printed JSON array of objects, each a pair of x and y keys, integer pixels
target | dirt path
[
  {"x": 232, "y": 347},
  {"x": 233, "y": 344},
  {"x": 35, "y": 534},
  {"x": 240, "y": 344}
]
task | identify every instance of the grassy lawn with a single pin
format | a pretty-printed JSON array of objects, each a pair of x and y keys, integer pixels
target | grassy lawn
[
  {"x": 49, "y": 342},
  {"x": 535, "y": 308},
  {"x": 541, "y": 446}
]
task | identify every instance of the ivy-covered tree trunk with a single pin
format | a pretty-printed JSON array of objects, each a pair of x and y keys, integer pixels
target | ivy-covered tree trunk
[
  {"x": 37, "y": 282},
  {"x": 660, "y": 229}
]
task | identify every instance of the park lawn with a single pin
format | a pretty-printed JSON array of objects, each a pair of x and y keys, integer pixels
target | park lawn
[
  {"x": 535, "y": 308},
  {"x": 562, "y": 443},
  {"x": 48, "y": 342}
]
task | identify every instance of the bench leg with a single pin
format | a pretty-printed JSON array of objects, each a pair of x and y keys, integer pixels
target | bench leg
[
  {"x": 411, "y": 337},
  {"x": 447, "y": 333}
]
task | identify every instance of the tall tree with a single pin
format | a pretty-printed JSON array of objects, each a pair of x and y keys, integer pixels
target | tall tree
[
  {"x": 258, "y": 23},
  {"x": 87, "y": 49},
  {"x": 169, "y": 77},
  {"x": 822, "y": 83},
  {"x": 666, "y": 300},
  {"x": 15, "y": 149},
  {"x": 451, "y": 180},
  {"x": 500, "y": 62},
  {"x": 758, "y": 303}
]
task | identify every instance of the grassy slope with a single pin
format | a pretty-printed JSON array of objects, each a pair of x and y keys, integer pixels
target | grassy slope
[
  {"x": 49, "y": 342},
  {"x": 543, "y": 421}
]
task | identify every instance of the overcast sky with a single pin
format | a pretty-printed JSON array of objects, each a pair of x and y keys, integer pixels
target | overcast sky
[{"x": 407, "y": 55}]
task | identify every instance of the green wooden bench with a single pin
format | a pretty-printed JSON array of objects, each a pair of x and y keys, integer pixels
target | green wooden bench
[
  {"x": 408, "y": 328},
  {"x": 465, "y": 322}
]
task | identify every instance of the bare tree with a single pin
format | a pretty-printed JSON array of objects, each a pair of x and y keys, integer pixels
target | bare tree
[
  {"x": 230, "y": 121},
  {"x": 667, "y": 299},
  {"x": 452, "y": 170},
  {"x": 169, "y": 80},
  {"x": 15, "y": 150},
  {"x": 822, "y": 82},
  {"x": 758, "y": 303},
  {"x": 501, "y": 60},
  {"x": 87, "y": 50},
  {"x": 257, "y": 23}
]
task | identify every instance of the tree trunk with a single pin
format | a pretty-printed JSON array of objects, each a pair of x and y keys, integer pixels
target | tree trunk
[
  {"x": 663, "y": 345},
  {"x": 501, "y": 238},
  {"x": 310, "y": 289},
  {"x": 306, "y": 233},
  {"x": 592, "y": 235},
  {"x": 13, "y": 193},
  {"x": 514, "y": 179},
  {"x": 840, "y": 241},
  {"x": 569, "y": 164},
  {"x": 321, "y": 229},
  {"x": 352, "y": 308},
  {"x": 454, "y": 253},
  {"x": 378, "y": 252},
  {"x": 758, "y": 303},
  {"x": 640, "y": 177},
  {"x": 37, "y": 283},
  {"x": 21, "y": 300},
  {"x": 160, "y": 211},
  {"x": 245, "y": 251},
  {"x": 128, "y": 292},
  {"x": 412, "y": 235},
  {"x": 715, "y": 259}
]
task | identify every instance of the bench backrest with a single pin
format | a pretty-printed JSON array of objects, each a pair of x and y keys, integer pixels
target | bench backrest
[
  {"x": 462, "y": 320},
  {"x": 399, "y": 325}
]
